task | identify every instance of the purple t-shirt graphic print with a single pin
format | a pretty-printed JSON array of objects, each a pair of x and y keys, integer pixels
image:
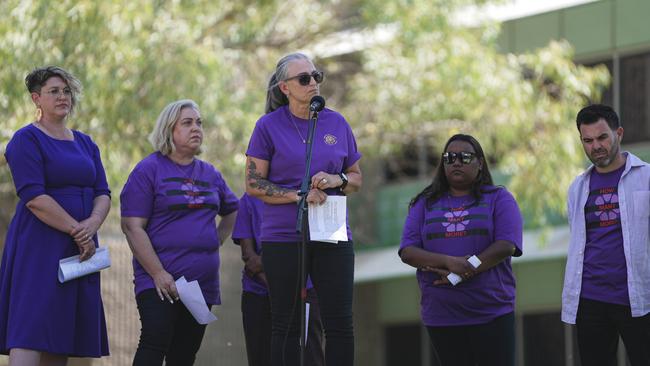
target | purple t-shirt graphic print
[
  {"x": 460, "y": 226},
  {"x": 181, "y": 204},
  {"x": 604, "y": 275},
  {"x": 277, "y": 138}
]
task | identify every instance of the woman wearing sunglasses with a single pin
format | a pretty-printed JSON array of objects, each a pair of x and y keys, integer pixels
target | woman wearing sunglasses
[
  {"x": 274, "y": 170},
  {"x": 460, "y": 233}
]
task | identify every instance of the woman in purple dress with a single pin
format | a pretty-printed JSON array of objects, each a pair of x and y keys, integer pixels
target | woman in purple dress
[
  {"x": 169, "y": 207},
  {"x": 274, "y": 170},
  {"x": 64, "y": 199},
  {"x": 462, "y": 224}
]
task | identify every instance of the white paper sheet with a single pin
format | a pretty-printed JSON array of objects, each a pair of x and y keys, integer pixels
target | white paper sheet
[
  {"x": 192, "y": 297},
  {"x": 70, "y": 268},
  {"x": 306, "y": 322},
  {"x": 327, "y": 222}
]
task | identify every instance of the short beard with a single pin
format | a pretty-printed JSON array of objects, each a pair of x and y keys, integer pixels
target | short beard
[{"x": 610, "y": 158}]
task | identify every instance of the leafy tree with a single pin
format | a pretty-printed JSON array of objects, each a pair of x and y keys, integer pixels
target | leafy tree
[
  {"x": 430, "y": 78},
  {"x": 435, "y": 78}
]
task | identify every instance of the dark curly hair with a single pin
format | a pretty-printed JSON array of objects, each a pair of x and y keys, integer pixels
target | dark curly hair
[{"x": 440, "y": 185}]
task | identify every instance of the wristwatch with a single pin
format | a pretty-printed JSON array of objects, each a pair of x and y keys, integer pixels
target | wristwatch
[{"x": 344, "y": 178}]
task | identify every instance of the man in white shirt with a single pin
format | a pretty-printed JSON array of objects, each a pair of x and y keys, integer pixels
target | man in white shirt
[{"x": 607, "y": 279}]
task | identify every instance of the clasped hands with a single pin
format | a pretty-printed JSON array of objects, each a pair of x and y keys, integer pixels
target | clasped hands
[
  {"x": 319, "y": 183},
  {"x": 254, "y": 268},
  {"x": 457, "y": 265},
  {"x": 83, "y": 234}
]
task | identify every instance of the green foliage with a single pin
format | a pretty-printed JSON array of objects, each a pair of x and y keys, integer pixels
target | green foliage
[
  {"x": 435, "y": 79},
  {"x": 430, "y": 78}
]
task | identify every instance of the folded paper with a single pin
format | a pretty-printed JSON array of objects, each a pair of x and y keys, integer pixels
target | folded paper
[{"x": 71, "y": 268}]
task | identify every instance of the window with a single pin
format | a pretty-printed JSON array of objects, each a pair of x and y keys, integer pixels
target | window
[{"x": 635, "y": 97}]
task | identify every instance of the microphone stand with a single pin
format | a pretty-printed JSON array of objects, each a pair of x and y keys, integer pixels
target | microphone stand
[{"x": 303, "y": 228}]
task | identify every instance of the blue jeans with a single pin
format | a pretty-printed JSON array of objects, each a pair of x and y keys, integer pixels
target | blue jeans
[{"x": 331, "y": 267}]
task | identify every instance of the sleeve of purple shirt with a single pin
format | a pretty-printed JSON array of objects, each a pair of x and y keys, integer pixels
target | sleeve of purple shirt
[
  {"x": 508, "y": 223},
  {"x": 229, "y": 202},
  {"x": 243, "y": 227},
  {"x": 101, "y": 185},
  {"x": 260, "y": 145},
  {"x": 353, "y": 152},
  {"x": 412, "y": 233},
  {"x": 137, "y": 197},
  {"x": 26, "y": 164}
]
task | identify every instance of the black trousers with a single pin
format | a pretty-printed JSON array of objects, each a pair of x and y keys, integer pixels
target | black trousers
[
  {"x": 256, "y": 314},
  {"x": 169, "y": 332},
  {"x": 599, "y": 324},
  {"x": 331, "y": 267},
  {"x": 490, "y": 344}
]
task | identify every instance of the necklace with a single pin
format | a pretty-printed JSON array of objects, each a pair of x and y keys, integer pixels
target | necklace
[
  {"x": 295, "y": 125},
  {"x": 183, "y": 169},
  {"x": 465, "y": 204},
  {"x": 67, "y": 134}
]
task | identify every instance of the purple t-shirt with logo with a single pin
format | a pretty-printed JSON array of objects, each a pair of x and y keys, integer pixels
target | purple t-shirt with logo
[
  {"x": 181, "y": 204},
  {"x": 247, "y": 226},
  {"x": 461, "y": 226},
  {"x": 278, "y": 139},
  {"x": 604, "y": 276}
]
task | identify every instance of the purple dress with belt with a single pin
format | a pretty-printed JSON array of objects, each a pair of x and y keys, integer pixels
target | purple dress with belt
[{"x": 36, "y": 311}]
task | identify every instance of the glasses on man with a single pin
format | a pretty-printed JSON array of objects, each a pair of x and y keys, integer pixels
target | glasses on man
[
  {"x": 305, "y": 78},
  {"x": 55, "y": 92},
  {"x": 464, "y": 156}
]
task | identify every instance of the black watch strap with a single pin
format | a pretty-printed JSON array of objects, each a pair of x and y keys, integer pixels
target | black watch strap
[{"x": 344, "y": 179}]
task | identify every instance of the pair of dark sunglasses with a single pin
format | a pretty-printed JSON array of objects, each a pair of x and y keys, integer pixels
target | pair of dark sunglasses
[
  {"x": 304, "y": 78},
  {"x": 464, "y": 156}
]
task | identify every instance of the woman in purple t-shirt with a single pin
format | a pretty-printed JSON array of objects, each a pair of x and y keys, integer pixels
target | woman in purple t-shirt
[
  {"x": 460, "y": 233},
  {"x": 274, "y": 170},
  {"x": 169, "y": 205}
]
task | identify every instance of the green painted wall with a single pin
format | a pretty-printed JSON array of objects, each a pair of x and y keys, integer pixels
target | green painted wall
[
  {"x": 632, "y": 24},
  {"x": 596, "y": 28},
  {"x": 589, "y": 27},
  {"x": 399, "y": 301},
  {"x": 536, "y": 31}
]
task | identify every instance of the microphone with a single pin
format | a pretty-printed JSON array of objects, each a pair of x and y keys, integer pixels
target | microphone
[{"x": 317, "y": 103}]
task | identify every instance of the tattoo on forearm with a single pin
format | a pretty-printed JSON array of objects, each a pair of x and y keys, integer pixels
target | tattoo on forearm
[{"x": 256, "y": 181}]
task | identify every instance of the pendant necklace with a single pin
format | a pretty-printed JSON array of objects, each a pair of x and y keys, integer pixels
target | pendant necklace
[
  {"x": 188, "y": 178},
  {"x": 290, "y": 115},
  {"x": 463, "y": 206}
]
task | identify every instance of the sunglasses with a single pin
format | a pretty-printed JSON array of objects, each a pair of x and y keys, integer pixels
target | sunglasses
[
  {"x": 465, "y": 157},
  {"x": 304, "y": 79}
]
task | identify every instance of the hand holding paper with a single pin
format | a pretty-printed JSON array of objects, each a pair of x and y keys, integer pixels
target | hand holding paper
[
  {"x": 328, "y": 221},
  {"x": 192, "y": 297},
  {"x": 71, "y": 268}
]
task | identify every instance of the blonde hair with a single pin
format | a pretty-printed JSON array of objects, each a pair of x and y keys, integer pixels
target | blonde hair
[{"x": 162, "y": 137}]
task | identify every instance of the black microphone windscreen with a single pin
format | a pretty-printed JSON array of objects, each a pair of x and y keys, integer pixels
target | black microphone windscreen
[{"x": 317, "y": 103}]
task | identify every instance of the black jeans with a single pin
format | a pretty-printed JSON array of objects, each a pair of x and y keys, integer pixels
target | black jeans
[
  {"x": 489, "y": 344},
  {"x": 256, "y": 314},
  {"x": 599, "y": 324},
  {"x": 169, "y": 332},
  {"x": 331, "y": 267}
]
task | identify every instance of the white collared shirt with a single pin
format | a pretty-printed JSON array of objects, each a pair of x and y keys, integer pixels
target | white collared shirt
[{"x": 634, "y": 205}]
